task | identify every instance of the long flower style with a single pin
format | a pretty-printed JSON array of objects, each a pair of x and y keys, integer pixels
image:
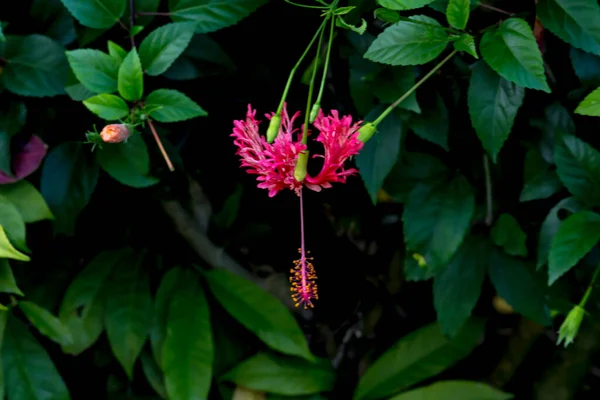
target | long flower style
[{"x": 275, "y": 163}]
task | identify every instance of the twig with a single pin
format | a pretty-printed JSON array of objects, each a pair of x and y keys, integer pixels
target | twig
[
  {"x": 160, "y": 146},
  {"x": 499, "y": 10},
  {"x": 131, "y": 22},
  {"x": 489, "y": 217}
]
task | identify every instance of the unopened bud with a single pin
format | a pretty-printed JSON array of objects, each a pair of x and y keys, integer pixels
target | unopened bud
[
  {"x": 274, "y": 126},
  {"x": 114, "y": 133},
  {"x": 366, "y": 131},
  {"x": 300, "y": 171},
  {"x": 570, "y": 326},
  {"x": 314, "y": 111}
]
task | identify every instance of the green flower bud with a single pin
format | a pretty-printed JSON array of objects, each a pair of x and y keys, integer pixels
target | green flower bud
[
  {"x": 366, "y": 131},
  {"x": 300, "y": 171},
  {"x": 274, "y": 126},
  {"x": 314, "y": 111},
  {"x": 570, "y": 326}
]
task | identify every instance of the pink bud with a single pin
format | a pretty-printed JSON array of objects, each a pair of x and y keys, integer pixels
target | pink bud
[{"x": 114, "y": 133}]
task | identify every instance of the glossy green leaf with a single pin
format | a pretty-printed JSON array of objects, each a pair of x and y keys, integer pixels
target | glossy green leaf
[
  {"x": 521, "y": 287},
  {"x": 276, "y": 374},
  {"x": 408, "y": 43},
  {"x": 12, "y": 222},
  {"x": 83, "y": 306},
  {"x": 511, "y": 50},
  {"x": 7, "y": 279},
  {"x": 153, "y": 374},
  {"x": 577, "y": 22},
  {"x": 128, "y": 162},
  {"x": 7, "y": 250},
  {"x": 386, "y": 15},
  {"x": 163, "y": 45},
  {"x": 107, "y": 106},
  {"x": 131, "y": 77},
  {"x": 46, "y": 323},
  {"x": 411, "y": 169},
  {"x": 466, "y": 43},
  {"x": 578, "y": 167},
  {"x": 12, "y": 119},
  {"x": 458, "y": 12},
  {"x": 457, "y": 287},
  {"x": 442, "y": 5},
  {"x": 259, "y": 312},
  {"x": 162, "y": 303},
  {"x": 211, "y": 16},
  {"x": 128, "y": 310},
  {"x": 380, "y": 153},
  {"x": 116, "y": 51},
  {"x": 68, "y": 180},
  {"x": 507, "y": 234},
  {"x": 145, "y": 6},
  {"x": 169, "y": 105},
  {"x": 28, "y": 200},
  {"x": 550, "y": 226},
  {"x": 540, "y": 181},
  {"x": 493, "y": 105},
  {"x": 187, "y": 352},
  {"x": 75, "y": 89},
  {"x": 99, "y": 14},
  {"x": 35, "y": 66},
  {"x": 392, "y": 83},
  {"x": 557, "y": 121},
  {"x": 433, "y": 124},
  {"x": 463, "y": 390},
  {"x": 401, "y": 5},
  {"x": 415, "y": 357},
  {"x": 95, "y": 69},
  {"x": 590, "y": 105},
  {"x": 29, "y": 373},
  {"x": 437, "y": 218},
  {"x": 586, "y": 66},
  {"x": 576, "y": 237}
]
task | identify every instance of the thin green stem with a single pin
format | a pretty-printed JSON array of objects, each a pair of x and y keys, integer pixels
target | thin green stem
[
  {"x": 590, "y": 287},
  {"x": 326, "y": 66},
  {"x": 305, "y": 5},
  {"x": 412, "y": 89},
  {"x": 293, "y": 71},
  {"x": 406, "y": 19}
]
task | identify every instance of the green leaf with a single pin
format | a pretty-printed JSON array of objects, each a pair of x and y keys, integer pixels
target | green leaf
[
  {"x": 7, "y": 250},
  {"x": 2, "y": 37},
  {"x": 28, "y": 200},
  {"x": 578, "y": 167},
  {"x": 380, "y": 153},
  {"x": 75, "y": 89},
  {"x": 107, "y": 106},
  {"x": 409, "y": 43},
  {"x": 127, "y": 162},
  {"x": 259, "y": 312},
  {"x": 401, "y": 5},
  {"x": 520, "y": 286},
  {"x": 213, "y": 15},
  {"x": 457, "y": 287},
  {"x": 392, "y": 83},
  {"x": 442, "y": 5},
  {"x": 13, "y": 224},
  {"x": 415, "y": 357},
  {"x": 576, "y": 237},
  {"x": 590, "y": 105},
  {"x": 586, "y": 66},
  {"x": 162, "y": 303},
  {"x": 386, "y": 15},
  {"x": 266, "y": 372},
  {"x": 29, "y": 373},
  {"x": 411, "y": 169},
  {"x": 577, "y": 22},
  {"x": 67, "y": 183},
  {"x": 437, "y": 218},
  {"x": 169, "y": 105},
  {"x": 557, "y": 120},
  {"x": 541, "y": 186},
  {"x": 361, "y": 29},
  {"x": 96, "y": 70},
  {"x": 35, "y": 66},
  {"x": 466, "y": 43},
  {"x": 493, "y": 105},
  {"x": 463, "y": 390},
  {"x": 116, "y": 51},
  {"x": 163, "y": 45},
  {"x": 83, "y": 307},
  {"x": 99, "y": 14},
  {"x": 511, "y": 50},
  {"x": 550, "y": 227},
  {"x": 153, "y": 374},
  {"x": 187, "y": 353},
  {"x": 131, "y": 77},
  {"x": 145, "y": 6},
  {"x": 507, "y": 234},
  {"x": 46, "y": 323},
  {"x": 458, "y": 13},
  {"x": 7, "y": 279},
  {"x": 433, "y": 124},
  {"x": 128, "y": 310}
]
